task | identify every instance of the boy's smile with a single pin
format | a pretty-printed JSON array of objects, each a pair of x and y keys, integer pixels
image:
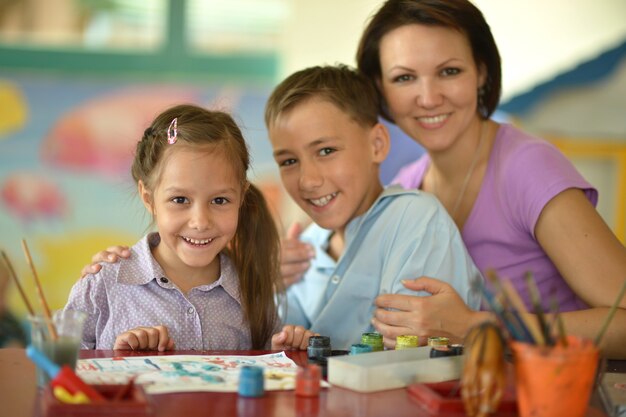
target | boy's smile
[{"x": 328, "y": 162}]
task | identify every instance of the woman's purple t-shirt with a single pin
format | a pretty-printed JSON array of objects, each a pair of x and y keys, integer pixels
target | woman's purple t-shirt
[{"x": 523, "y": 174}]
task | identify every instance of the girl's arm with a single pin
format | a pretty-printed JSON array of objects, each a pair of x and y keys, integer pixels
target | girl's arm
[{"x": 591, "y": 260}]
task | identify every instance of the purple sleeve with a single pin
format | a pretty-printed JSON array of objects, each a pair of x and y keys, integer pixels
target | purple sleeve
[
  {"x": 537, "y": 174},
  {"x": 411, "y": 175},
  {"x": 88, "y": 295}
]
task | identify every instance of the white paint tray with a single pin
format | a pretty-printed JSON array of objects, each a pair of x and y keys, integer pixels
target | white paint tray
[{"x": 390, "y": 369}]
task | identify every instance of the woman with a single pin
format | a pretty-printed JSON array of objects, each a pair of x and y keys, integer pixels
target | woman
[{"x": 520, "y": 205}]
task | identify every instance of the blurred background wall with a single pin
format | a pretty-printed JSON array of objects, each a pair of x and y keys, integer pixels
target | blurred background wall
[{"x": 81, "y": 79}]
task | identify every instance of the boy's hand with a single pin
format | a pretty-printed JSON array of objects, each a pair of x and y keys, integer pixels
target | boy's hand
[
  {"x": 111, "y": 255},
  {"x": 145, "y": 338},
  {"x": 292, "y": 338},
  {"x": 295, "y": 256}
]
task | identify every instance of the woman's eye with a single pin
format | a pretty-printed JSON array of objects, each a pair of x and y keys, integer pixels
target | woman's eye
[
  {"x": 450, "y": 71},
  {"x": 287, "y": 162},
  {"x": 179, "y": 200},
  {"x": 326, "y": 151},
  {"x": 402, "y": 78},
  {"x": 220, "y": 201}
]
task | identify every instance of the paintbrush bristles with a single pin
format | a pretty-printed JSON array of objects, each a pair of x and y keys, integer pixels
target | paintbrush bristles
[
  {"x": 9, "y": 265},
  {"x": 42, "y": 298}
]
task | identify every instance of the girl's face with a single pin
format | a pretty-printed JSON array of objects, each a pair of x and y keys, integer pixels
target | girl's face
[
  {"x": 196, "y": 208},
  {"x": 430, "y": 83}
]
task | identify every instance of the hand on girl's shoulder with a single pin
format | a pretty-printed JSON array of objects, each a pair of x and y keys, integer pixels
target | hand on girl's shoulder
[{"x": 111, "y": 255}]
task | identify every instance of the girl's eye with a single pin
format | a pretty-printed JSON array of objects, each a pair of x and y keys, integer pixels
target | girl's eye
[
  {"x": 220, "y": 201},
  {"x": 447, "y": 72},
  {"x": 287, "y": 162},
  {"x": 326, "y": 151},
  {"x": 180, "y": 200}
]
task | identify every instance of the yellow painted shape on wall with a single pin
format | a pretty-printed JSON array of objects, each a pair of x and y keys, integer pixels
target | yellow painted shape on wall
[
  {"x": 14, "y": 108},
  {"x": 59, "y": 260}
]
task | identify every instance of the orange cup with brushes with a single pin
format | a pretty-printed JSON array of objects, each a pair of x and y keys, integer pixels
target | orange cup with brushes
[{"x": 553, "y": 381}]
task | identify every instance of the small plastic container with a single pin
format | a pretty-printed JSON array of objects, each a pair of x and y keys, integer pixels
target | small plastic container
[
  {"x": 375, "y": 340},
  {"x": 359, "y": 348},
  {"x": 308, "y": 380},
  {"x": 407, "y": 341},
  {"x": 251, "y": 382},
  {"x": 438, "y": 341},
  {"x": 318, "y": 346}
]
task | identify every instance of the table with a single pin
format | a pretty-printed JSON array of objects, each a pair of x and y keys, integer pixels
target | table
[{"x": 18, "y": 394}]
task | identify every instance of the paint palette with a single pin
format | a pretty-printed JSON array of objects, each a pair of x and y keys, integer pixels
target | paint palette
[
  {"x": 390, "y": 369},
  {"x": 133, "y": 404}
]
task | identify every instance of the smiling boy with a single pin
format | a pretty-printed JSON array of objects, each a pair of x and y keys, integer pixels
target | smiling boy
[{"x": 328, "y": 144}]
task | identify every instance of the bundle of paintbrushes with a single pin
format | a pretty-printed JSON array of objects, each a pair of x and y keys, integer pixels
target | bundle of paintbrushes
[{"x": 548, "y": 329}]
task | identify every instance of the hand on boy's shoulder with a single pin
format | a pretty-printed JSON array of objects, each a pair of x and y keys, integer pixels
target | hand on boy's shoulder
[
  {"x": 295, "y": 256},
  {"x": 111, "y": 255}
]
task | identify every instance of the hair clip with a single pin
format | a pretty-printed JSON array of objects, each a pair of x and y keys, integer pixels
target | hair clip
[{"x": 172, "y": 131}]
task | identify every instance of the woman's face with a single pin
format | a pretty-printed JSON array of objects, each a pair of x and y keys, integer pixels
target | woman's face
[{"x": 430, "y": 82}]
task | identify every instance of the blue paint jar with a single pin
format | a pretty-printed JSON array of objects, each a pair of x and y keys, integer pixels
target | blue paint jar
[
  {"x": 358, "y": 348},
  {"x": 251, "y": 383}
]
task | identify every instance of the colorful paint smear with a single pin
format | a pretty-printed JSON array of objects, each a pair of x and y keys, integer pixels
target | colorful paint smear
[
  {"x": 30, "y": 196},
  {"x": 14, "y": 108},
  {"x": 100, "y": 135}
]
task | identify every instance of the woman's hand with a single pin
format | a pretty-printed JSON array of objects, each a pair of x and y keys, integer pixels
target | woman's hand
[
  {"x": 441, "y": 314},
  {"x": 292, "y": 338},
  {"x": 295, "y": 256},
  {"x": 111, "y": 255},
  {"x": 145, "y": 338}
]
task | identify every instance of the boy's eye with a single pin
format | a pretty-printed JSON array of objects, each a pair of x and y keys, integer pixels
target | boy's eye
[
  {"x": 180, "y": 200},
  {"x": 220, "y": 201},
  {"x": 447, "y": 72},
  {"x": 326, "y": 151},
  {"x": 287, "y": 162}
]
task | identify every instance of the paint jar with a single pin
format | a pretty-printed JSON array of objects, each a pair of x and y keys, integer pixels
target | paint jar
[
  {"x": 251, "y": 382},
  {"x": 308, "y": 380},
  {"x": 375, "y": 340},
  {"x": 435, "y": 341},
  {"x": 406, "y": 342},
  {"x": 358, "y": 348},
  {"x": 318, "y": 346},
  {"x": 443, "y": 351},
  {"x": 546, "y": 375}
]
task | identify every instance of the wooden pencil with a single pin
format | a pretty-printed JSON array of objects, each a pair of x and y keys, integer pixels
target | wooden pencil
[
  {"x": 9, "y": 265},
  {"x": 42, "y": 298}
]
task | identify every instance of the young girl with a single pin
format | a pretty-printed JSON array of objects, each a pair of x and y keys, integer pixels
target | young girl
[{"x": 206, "y": 280}]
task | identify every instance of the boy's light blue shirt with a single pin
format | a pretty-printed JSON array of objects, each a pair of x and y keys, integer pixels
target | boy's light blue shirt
[{"x": 404, "y": 235}]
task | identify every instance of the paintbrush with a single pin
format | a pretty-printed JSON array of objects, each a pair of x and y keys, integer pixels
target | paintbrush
[
  {"x": 557, "y": 320},
  {"x": 516, "y": 301},
  {"x": 609, "y": 316},
  {"x": 9, "y": 265},
  {"x": 498, "y": 310},
  {"x": 535, "y": 299},
  {"x": 42, "y": 298}
]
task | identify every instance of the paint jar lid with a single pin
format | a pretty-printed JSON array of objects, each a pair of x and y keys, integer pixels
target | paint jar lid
[
  {"x": 358, "y": 348},
  {"x": 319, "y": 341},
  {"x": 438, "y": 341},
  {"x": 407, "y": 341}
]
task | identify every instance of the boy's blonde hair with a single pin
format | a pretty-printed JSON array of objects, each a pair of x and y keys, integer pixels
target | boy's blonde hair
[{"x": 341, "y": 85}]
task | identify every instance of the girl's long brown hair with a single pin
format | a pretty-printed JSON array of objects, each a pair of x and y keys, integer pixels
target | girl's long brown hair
[{"x": 255, "y": 248}]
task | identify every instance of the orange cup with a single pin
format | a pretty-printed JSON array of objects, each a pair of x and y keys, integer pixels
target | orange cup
[{"x": 555, "y": 381}]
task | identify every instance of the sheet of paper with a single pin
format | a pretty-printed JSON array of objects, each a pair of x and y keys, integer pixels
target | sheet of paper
[{"x": 188, "y": 373}]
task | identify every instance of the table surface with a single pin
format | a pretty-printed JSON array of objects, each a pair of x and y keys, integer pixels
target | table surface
[{"x": 19, "y": 395}]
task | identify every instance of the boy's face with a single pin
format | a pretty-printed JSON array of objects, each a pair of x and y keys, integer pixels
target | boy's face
[{"x": 328, "y": 162}]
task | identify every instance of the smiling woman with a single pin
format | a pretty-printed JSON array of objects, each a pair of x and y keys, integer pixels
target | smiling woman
[{"x": 519, "y": 203}]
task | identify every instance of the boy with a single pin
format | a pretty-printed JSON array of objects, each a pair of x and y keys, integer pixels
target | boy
[{"x": 328, "y": 144}]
